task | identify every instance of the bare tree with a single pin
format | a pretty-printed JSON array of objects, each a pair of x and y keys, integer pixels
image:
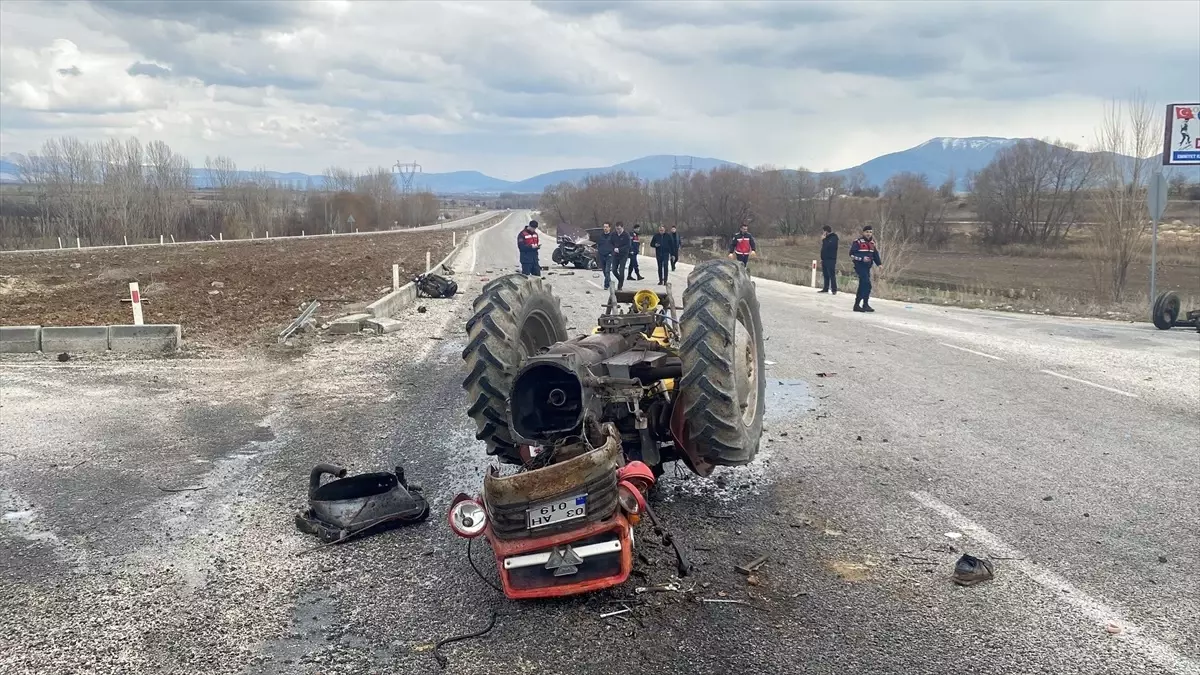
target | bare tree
[
  {"x": 1126, "y": 150},
  {"x": 914, "y": 207},
  {"x": 1031, "y": 192},
  {"x": 896, "y": 243}
]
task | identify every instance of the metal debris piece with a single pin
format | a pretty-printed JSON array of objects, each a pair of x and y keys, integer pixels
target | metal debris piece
[
  {"x": 616, "y": 612},
  {"x": 304, "y": 318},
  {"x": 750, "y": 567}
]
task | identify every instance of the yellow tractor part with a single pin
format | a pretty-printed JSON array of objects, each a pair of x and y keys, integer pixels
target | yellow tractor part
[{"x": 645, "y": 300}]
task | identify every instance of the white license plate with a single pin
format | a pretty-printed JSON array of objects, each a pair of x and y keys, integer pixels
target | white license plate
[{"x": 557, "y": 511}]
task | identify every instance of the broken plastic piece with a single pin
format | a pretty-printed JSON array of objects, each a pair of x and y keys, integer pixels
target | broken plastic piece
[
  {"x": 970, "y": 570},
  {"x": 362, "y": 504}
]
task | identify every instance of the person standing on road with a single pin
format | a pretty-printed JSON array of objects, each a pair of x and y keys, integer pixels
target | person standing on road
[
  {"x": 661, "y": 243},
  {"x": 635, "y": 249},
  {"x": 621, "y": 247},
  {"x": 604, "y": 253},
  {"x": 742, "y": 246},
  {"x": 674, "y": 234},
  {"x": 865, "y": 255},
  {"x": 829, "y": 253},
  {"x": 527, "y": 249}
]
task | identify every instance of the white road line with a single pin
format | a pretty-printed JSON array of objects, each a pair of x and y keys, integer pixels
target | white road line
[
  {"x": 594, "y": 284},
  {"x": 1090, "y": 384},
  {"x": 1060, "y": 589},
  {"x": 971, "y": 351},
  {"x": 900, "y": 332}
]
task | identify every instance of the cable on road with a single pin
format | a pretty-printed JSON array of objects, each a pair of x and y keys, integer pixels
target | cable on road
[
  {"x": 486, "y": 580},
  {"x": 442, "y": 660}
]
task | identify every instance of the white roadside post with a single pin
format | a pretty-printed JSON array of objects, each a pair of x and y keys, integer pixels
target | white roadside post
[
  {"x": 135, "y": 299},
  {"x": 60, "y": 242},
  {"x": 453, "y": 239},
  {"x": 126, "y": 239},
  {"x": 395, "y": 277},
  {"x": 268, "y": 234},
  {"x": 161, "y": 240},
  {"x": 220, "y": 236},
  {"x": 428, "y": 264},
  {"x": 77, "y": 245},
  {"x": 813, "y": 281},
  {"x": 172, "y": 239}
]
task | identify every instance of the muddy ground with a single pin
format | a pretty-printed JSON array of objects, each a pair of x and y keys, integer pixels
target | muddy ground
[{"x": 223, "y": 295}]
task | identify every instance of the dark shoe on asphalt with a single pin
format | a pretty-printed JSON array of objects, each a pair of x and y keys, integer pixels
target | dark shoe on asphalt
[
  {"x": 822, "y": 291},
  {"x": 833, "y": 293},
  {"x": 868, "y": 308},
  {"x": 970, "y": 570},
  {"x": 859, "y": 309}
]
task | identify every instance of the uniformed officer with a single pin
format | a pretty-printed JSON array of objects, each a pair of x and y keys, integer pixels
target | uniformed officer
[
  {"x": 865, "y": 255},
  {"x": 527, "y": 249},
  {"x": 742, "y": 246},
  {"x": 635, "y": 249}
]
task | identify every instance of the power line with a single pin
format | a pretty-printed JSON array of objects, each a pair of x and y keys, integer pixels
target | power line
[{"x": 685, "y": 169}]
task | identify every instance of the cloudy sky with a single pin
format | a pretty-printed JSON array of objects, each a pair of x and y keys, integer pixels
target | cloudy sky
[{"x": 517, "y": 88}]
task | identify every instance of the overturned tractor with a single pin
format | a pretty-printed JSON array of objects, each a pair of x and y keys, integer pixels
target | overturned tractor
[{"x": 590, "y": 421}]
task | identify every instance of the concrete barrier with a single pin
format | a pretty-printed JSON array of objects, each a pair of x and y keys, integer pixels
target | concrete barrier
[
  {"x": 150, "y": 338},
  {"x": 74, "y": 339},
  {"x": 20, "y": 339}
]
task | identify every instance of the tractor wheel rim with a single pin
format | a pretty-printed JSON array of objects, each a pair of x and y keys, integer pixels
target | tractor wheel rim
[{"x": 746, "y": 373}]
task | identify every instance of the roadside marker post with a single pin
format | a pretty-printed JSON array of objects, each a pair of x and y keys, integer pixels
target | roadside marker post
[
  {"x": 135, "y": 299},
  {"x": 813, "y": 281},
  {"x": 172, "y": 239},
  {"x": 453, "y": 239},
  {"x": 428, "y": 264},
  {"x": 77, "y": 243},
  {"x": 160, "y": 240},
  {"x": 268, "y": 234},
  {"x": 395, "y": 277},
  {"x": 220, "y": 236},
  {"x": 60, "y": 242},
  {"x": 126, "y": 239}
]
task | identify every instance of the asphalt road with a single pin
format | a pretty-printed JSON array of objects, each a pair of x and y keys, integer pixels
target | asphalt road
[{"x": 1065, "y": 450}]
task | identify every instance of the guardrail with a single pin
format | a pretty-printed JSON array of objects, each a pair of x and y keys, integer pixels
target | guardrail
[{"x": 469, "y": 221}]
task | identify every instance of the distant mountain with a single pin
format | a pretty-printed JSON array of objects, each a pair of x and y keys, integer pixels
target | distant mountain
[
  {"x": 937, "y": 158},
  {"x": 654, "y": 167}
]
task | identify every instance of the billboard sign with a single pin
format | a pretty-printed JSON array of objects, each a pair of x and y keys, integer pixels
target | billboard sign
[{"x": 1181, "y": 141}]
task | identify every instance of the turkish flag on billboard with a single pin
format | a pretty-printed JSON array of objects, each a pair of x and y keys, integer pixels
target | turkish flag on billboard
[{"x": 1182, "y": 113}]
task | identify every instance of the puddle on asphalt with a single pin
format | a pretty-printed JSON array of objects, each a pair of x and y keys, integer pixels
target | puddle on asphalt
[{"x": 785, "y": 399}]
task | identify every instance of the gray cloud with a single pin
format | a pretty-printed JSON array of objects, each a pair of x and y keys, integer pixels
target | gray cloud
[
  {"x": 148, "y": 70},
  {"x": 73, "y": 71},
  {"x": 657, "y": 15},
  {"x": 208, "y": 15}
]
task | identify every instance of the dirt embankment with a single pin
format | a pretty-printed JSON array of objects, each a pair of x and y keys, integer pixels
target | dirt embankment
[{"x": 226, "y": 294}]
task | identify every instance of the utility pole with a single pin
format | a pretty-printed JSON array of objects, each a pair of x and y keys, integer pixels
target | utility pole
[{"x": 685, "y": 169}]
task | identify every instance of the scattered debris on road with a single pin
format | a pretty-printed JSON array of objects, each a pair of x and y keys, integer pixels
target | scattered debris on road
[
  {"x": 752, "y": 566},
  {"x": 617, "y": 612},
  {"x": 366, "y": 503},
  {"x": 826, "y": 374},
  {"x": 969, "y": 570}
]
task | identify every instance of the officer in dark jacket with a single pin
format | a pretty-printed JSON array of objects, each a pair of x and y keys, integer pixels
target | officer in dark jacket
[
  {"x": 635, "y": 249},
  {"x": 674, "y": 235},
  {"x": 661, "y": 243},
  {"x": 527, "y": 249},
  {"x": 604, "y": 253},
  {"x": 865, "y": 255},
  {"x": 742, "y": 246},
  {"x": 829, "y": 253},
  {"x": 621, "y": 247}
]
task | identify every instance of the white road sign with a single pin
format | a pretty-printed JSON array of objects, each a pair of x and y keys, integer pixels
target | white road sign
[{"x": 1181, "y": 145}]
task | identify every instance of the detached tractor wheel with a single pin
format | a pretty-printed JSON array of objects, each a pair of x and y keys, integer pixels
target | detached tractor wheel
[
  {"x": 516, "y": 316},
  {"x": 1166, "y": 310},
  {"x": 723, "y": 388}
]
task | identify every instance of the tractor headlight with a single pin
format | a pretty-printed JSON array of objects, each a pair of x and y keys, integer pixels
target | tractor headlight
[
  {"x": 468, "y": 518},
  {"x": 630, "y": 498}
]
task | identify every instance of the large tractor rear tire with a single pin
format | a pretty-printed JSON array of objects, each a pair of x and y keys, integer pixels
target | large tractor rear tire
[
  {"x": 516, "y": 317},
  {"x": 1166, "y": 310},
  {"x": 723, "y": 388}
]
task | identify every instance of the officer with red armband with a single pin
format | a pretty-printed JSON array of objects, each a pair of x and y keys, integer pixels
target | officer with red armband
[
  {"x": 742, "y": 246},
  {"x": 865, "y": 255},
  {"x": 527, "y": 249}
]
